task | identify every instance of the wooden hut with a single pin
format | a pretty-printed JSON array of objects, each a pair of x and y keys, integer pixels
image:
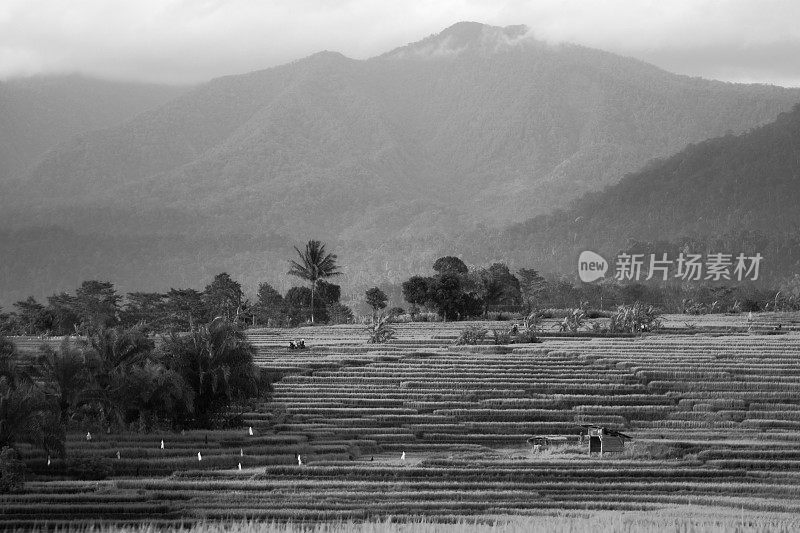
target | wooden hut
[{"x": 602, "y": 439}]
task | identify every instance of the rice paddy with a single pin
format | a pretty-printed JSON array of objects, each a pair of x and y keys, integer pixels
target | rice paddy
[{"x": 431, "y": 433}]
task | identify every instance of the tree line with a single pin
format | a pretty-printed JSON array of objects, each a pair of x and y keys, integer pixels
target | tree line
[
  {"x": 456, "y": 292},
  {"x": 96, "y": 305},
  {"x": 124, "y": 378}
]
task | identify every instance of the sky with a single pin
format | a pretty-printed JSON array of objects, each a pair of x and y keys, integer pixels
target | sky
[{"x": 190, "y": 41}]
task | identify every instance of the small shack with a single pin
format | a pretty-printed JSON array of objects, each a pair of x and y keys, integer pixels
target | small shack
[{"x": 602, "y": 439}]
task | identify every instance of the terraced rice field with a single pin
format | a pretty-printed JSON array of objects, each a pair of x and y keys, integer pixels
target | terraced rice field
[{"x": 715, "y": 421}]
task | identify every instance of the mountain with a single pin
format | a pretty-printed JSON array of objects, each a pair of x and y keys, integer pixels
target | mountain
[
  {"x": 731, "y": 194},
  {"x": 37, "y": 113},
  {"x": 388, "y": 159}
]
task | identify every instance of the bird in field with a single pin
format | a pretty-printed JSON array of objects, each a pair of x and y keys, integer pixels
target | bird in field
[
  {"x": 372, "y": 458},
  {"x": 403, "y": 456},
  {"x": 162, "y": 444},
  {"x": 88, "y": 436},
  {"x": 240, "y": 466},
  {"x": 750, "y": 316},
  {"x": 299, "y": 461},
  {"x": 199, "y": 457},
  {"x": 251, "y": 431},
  {"x": 48, "y": 460},
  {"x": 118, "y": 455},
  {"x": 241, "y": 452}
]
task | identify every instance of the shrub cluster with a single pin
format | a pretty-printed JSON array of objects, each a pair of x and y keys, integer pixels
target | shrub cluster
[{"x": 119, "y": 378}]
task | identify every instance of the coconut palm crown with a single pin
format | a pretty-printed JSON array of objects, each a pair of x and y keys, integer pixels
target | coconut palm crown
[{"x": 314, "y": 265}]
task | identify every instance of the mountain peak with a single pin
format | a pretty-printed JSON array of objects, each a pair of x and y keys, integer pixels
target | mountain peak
[{"x": 459, "y": 38}]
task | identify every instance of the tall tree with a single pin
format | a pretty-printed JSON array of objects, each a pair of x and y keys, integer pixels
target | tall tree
[
  {"x": 376, "y": 299},
  {"x": 314, "y": 265},
  {"x": 144, "y": 307},
  {"x": 329, "y": 293},
  {"x": 269, "y": 303},
  {"x": 416, "y": 290},
  {"x": 64, "y": 309},
  {"x": 499, "y": 286},
  {"x": 297, "y": 306},
  {"x": 223, "y": 297},
  {"x": 184, "y": 307},
  {"x": 98, "y": 304},
  {"x": 6, "y": 324},
  {"x": 450, "y": 265},
  {"x": 532, "y": 285},
  {"x": 31, "y": 316}
]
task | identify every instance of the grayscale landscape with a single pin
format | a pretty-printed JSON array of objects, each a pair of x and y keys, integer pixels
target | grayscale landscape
[{"x": 538, "y": 273}]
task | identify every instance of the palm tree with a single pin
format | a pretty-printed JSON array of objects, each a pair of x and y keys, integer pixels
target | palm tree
[
  {"x": 216, "y": 363},
  {"x": 66, "y": 371},
  {"x": 314, "y": 265},
  {"x": 115, "y": 353},
  {"x": 131, "y": 383},
  {"x": 26, "y": 414}
]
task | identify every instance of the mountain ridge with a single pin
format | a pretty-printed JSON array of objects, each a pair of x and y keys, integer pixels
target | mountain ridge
[
  {"x": 736, "y": 192},
  {"x": 390, "y": 159}
]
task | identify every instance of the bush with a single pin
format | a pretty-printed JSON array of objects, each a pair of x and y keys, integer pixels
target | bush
[
  {"x": 636, "y": 318},
  {"x": 597, "y": 313},
  {"x": 526, "y": 336},
  {"x": 89, "y": 468},
  {"x": 573, "y": 321},
  {"x": 471, "y": 335},
  {"x": 396, "y": 311},
  {"x": 12, "y": 471},
  {"x": 501, "y": 337},
  {"x": 338, "y": 313},
  {"x": 427, "y": 317},
  {"x": 380, "y": 330},
  {"x": 215, "y": 363}
]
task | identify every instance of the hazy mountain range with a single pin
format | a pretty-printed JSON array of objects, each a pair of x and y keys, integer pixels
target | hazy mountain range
[
  {"x": 731, "y": 194},
  {"x": 39, "y": 112},
  {"x": 429, "y": 148}
]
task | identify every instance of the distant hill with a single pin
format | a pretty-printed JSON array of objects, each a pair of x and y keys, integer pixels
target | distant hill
[
  {"x": 736, "y": 193},
  {"x": 37, "y": 113},
  {"x": 390, "y": 159}
]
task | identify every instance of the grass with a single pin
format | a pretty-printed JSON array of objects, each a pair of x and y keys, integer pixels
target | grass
[{"x": 603, "y": 522}]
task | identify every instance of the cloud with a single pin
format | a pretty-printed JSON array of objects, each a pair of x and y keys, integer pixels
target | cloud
[{"x": 180, "y": 41}]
